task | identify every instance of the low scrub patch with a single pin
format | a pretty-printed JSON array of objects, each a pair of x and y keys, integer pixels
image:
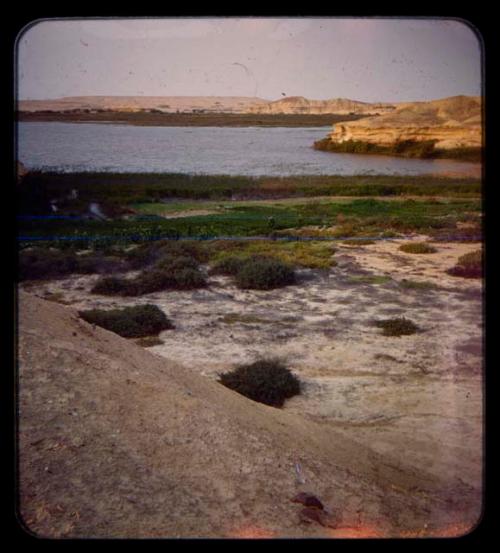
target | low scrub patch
[
  {"x": 130, "y": 322},
  {"x": 169, "y": 273},
  {"x": 370, "y": 279},
  {"x": 417, "y": 247},
  {"x": 241, "y": 318},
  {"x": 97, "y": 263},
  {"x": 358, "y": 242},
  {"x": 111, "y": 286},
  {"x": 312, "y": 254},
  {"x": 150, "y": 253},
  {"x": 267, "y": 381},
  {"x": 424, "y": 149},
  {"x": 417, "y": 284},
  {"x": 398, "y": 326},
  {"x": 229, "y": 266},
  {"x": 469, "y": 265},
  {"x": 46, "y": 263},
  {"x": 264, "y": 273}
]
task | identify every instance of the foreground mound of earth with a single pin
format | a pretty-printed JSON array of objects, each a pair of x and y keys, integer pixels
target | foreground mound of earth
[{"x": 115, "y": 441}]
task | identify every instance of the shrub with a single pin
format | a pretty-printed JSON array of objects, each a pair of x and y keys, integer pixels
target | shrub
[
  {"x": 358, "y": 242},
  {"x": 228, "y": 266},
  {"x": 43, "y": 263},
  {"x": 148, "y": 254},
  {"x": 262, "y": 273},
  {"x": 171, "y": 263},
  {"x": 267, "y": 381},
  {"x": 130, "y": 322},
  {"x": 417, "y": 247},
  {"x": 96, "y": 263},
  {"x": 472, "y": 259},
  {"x": 188, "y": 279},
  {"x": 170, "y": 273},
  {"x": 156, "y": 280},
  {"x": 398, "y": 326},
  {"x": 469, "y": 265},
  {"x": 111, "y": 286}
]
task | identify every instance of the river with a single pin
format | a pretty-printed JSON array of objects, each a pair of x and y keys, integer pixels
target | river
[{"x": 252, "y": 151}]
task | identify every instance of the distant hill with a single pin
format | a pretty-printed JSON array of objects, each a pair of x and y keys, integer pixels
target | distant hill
[
  {"x": 299, "y": 104},
  {"x": 168, "y": 104},
  {"x": 216, "y": 104}
]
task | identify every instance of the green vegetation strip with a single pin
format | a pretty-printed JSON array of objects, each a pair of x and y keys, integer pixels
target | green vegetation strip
[
  {"x": 157, "y": 119},
  {"x": 363, "y": 217},
  {"x": 133, "y": 188},
  {"x": 422, "y": 149}
]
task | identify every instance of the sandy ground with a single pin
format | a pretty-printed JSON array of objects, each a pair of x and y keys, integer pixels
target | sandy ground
[{"x": 417, "y": 399}]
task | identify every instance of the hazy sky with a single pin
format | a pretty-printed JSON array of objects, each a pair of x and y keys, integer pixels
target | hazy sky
[{"x": 320, "y": 58}]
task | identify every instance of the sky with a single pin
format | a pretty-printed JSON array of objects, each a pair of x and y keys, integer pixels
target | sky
[{"x": 370, "y": 60}]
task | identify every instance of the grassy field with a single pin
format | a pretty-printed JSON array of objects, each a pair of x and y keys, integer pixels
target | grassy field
[
  {"x": 362, "y": 217},
  {"x": 134, "y": 188},
  {"x": 142, "y": 207}
]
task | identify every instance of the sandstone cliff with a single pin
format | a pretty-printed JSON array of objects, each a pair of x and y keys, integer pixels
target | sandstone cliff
[
  {"x": 452, "y": 122},
  {"x": 299, "y": 104}
]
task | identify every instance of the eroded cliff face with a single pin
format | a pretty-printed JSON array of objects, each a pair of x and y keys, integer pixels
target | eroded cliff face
[
  {"x": 299, "y": 104},
  {"x": 445, "y": 137},
  {"x": 452, "y": 123}
]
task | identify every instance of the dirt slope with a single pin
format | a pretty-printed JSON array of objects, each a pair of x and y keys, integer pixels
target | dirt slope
[{"x": 115, "y": 441}]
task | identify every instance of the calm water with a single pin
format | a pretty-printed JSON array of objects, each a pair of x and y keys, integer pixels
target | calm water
[{"x": 209, "y": 150}]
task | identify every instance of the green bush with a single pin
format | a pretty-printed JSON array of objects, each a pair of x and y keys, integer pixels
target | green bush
[
  {"x": 153, "y": 280},
  {"x": 47, "y": 263},
  {"x": 150, "y": 253},
  {"x": 398, "y": 326},
  {"x": 228, "y": 266},
  {"x": 469, "y": 265},
  {"x": 130, "y": 322},
  {"x": 158, "y": 279},
  {"x": 358, "y": 242},
  {"x": 262, "y": 273},
  {"x": 93, "y": 263},
  {"x": 171, "y": 263},
  {"x": 111, "y": 286},
  {"x": 417, "y": 247},
  {"x": 267, "y": 381}
]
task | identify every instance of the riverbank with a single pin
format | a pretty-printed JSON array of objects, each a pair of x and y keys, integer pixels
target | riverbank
[
  {"x": 408, "y": 149},
  {"x": 190, "y": 119},
  {"x": 130, "y": 188}
]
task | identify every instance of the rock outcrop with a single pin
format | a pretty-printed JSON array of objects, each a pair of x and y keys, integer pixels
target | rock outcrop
[{"x": 451, "y": 122}]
